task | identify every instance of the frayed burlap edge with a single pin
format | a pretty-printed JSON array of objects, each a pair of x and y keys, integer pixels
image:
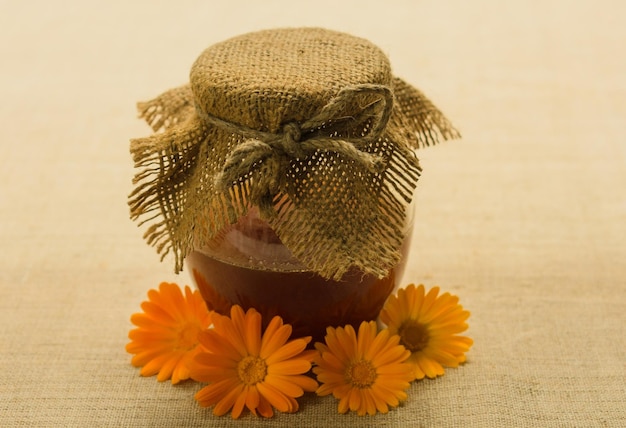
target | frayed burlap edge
[{"x": 184, "y": 211}]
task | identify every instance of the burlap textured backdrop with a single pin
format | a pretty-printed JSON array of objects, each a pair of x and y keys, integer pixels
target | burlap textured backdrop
[{"x": 524, "y": 219}]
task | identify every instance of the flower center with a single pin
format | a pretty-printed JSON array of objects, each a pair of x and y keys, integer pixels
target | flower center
[
  {"x": 361, "y": 374},
  {"x": 252, "y": 370},
  {"x": 187, "y": 337},
  {"x": 414, "y": 336}
]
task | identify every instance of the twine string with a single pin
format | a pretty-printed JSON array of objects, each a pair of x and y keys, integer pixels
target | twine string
[{"x": 329, "y": 130}]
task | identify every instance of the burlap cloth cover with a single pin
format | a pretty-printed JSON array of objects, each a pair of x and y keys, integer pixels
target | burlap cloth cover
[{"x": 306, "y": 124}]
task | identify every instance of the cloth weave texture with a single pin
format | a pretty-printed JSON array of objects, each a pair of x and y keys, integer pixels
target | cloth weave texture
[{"x": 524, "y": 218}]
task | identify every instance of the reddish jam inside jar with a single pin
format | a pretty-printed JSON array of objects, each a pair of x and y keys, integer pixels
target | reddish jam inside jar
[{"x": 250, "y": 267}]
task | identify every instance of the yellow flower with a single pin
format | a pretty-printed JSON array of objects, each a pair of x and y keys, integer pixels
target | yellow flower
[
  {"x": 366, "y": 372},
  {"x": 167, "y": 335},
  {"x": 429, "y": 327},
  {"x": 247, "y": 368}
]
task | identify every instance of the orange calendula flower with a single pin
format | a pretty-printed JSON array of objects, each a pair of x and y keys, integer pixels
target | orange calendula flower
[
  {"x": 248, "y": 368},
  {"x": 429, "y": 328},
  {"x": 166, "y": 337},
  {"x": 365, "y": 371}
]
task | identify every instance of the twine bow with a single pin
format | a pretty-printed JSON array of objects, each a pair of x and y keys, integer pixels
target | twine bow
[{"x": 330, "y": 130}]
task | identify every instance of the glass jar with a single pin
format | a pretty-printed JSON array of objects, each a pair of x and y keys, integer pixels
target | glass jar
[{"x": 247, "y": 265}]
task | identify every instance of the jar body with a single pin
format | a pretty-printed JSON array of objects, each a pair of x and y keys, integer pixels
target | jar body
[{"x": 250, "y": 267}]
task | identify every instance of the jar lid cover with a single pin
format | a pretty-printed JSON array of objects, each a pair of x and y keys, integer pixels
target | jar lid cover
[{"x": 307, "y": 124}]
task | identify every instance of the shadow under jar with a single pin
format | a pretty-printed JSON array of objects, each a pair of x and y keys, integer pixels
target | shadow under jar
[{"x": 247, "y": 265}]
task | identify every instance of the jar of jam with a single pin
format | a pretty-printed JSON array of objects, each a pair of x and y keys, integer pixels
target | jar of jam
[{"x": 282, "y": 175}]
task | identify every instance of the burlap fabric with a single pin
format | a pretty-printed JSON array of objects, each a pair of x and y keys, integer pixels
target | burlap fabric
[
  {"x": 524, "y": 219},
  {"x": 310, "y": 126}
]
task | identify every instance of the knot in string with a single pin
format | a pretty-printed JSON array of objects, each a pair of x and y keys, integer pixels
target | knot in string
[
  {"x": 291, "y": 138},
  {"x": 355, "y": 117}
]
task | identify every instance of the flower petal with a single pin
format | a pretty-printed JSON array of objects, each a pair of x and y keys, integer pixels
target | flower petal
[
  {"x": 252, "y": 332},
  {"x": 289, "y": 350},
  {"x": 214, "y": 392},
  {"x": 289, "y": 367},
  {"x": 228, "y": 401},
  {"x": 275, "y": 336},
  {"x": 274, "y": 396},
  {"x": 283, "y": 385}
]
